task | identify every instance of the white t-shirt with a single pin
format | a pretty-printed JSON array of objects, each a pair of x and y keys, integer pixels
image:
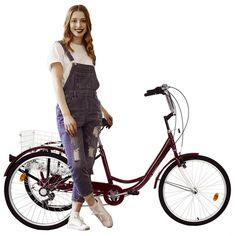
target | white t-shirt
[{"x": 57, "y": 54}]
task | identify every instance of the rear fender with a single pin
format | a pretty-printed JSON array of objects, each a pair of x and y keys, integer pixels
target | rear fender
[{"x": 15, "y": 159}]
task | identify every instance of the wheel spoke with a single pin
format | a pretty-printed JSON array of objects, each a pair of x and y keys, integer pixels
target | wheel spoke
[
  {"x": 207, "y": 196},
  {"x": 35, "y": 199}
]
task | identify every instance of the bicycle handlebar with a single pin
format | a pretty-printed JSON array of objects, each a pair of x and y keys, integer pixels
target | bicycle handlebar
[
  {"x": 105, "y": 123},
  {"x": 155, "y": 91},
  {"x": 164, "y": 91}
]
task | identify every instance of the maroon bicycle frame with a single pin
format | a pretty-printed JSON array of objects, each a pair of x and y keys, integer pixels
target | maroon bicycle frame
[
  {"x": 142, "y": 180},
  {"x": 104, "y": 188}
]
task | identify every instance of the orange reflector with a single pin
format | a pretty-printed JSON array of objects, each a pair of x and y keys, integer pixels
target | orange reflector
[
  {"x": 23, "y": 176},
  {"x": 216, "y": 196}
]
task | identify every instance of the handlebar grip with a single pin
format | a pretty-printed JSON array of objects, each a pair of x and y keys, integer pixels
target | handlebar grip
[
  {"x": 105, "y": 123},
  {"x": 157, "y": 90}
]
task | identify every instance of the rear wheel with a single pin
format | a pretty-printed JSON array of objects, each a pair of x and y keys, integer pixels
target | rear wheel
[
  {"x": 196, "y": 193},
  {"x": 38, "y": 190}
]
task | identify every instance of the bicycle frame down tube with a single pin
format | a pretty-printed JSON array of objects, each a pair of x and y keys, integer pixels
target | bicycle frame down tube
[
  {"x": 142, "y": 180},
  {"x": 165, "y": 149}
]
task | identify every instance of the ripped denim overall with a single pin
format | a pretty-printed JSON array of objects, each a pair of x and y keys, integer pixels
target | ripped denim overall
[{"x": 81, "y": 97}]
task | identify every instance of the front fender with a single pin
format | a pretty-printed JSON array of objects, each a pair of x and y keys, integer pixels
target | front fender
[
  {"x": 14, "y": 159},
  {"x": 182, "y": 156}
]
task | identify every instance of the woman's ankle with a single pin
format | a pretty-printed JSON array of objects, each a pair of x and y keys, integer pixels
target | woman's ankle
[
  {"x": 90, "y": 199},
  {"x": 74, "y": 214}
]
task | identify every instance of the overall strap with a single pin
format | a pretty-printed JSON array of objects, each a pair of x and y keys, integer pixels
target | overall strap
[{"x": 66, "y": 51}]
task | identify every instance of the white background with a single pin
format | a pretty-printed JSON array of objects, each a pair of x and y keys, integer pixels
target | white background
[{"x": 139, "y": 45}]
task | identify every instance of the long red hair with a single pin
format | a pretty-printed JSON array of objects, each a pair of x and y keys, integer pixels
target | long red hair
[{"x": 87, "y": 40}]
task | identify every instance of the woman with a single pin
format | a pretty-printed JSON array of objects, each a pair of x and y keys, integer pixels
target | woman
[{"x": 79, "y": 111}]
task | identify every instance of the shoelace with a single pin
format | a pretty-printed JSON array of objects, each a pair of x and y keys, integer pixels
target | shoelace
[{"x": 81, "y": 221}]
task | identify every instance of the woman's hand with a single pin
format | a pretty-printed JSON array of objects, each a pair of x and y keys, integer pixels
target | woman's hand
[
  {"x": 108, "y": 117},
  {"x": 70, "y": 125}
]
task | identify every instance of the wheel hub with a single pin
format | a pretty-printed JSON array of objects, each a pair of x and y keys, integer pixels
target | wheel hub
[
  {"x": 195, "y": 191},
  {"x": 43, "y": 192}
]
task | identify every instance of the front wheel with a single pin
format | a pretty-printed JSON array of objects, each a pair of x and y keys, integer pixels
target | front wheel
[{"x": 195, "y": 193}]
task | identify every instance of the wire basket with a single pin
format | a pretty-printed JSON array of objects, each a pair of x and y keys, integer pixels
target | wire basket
[{"x": 34, "y": 138}]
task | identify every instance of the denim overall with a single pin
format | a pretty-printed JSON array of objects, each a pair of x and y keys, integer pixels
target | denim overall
[{"x": 81, "y": 97}]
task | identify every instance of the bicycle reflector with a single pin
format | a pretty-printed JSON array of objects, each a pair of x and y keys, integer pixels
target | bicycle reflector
[
  {"x": 23, "y": 177},
  {"x": 216, "y": 196}
]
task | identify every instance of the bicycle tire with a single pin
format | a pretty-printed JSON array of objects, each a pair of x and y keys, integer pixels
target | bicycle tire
[
  {"x": 25, "y": 200},
  {"x": 204, "y": 201}
]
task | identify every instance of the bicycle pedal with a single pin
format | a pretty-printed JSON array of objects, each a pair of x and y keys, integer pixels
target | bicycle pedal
[{"x": 133, "y": 192}]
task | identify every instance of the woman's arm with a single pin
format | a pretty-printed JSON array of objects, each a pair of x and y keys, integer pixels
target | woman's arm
[
  {"x": 57, "y": 75},
  {"x": 107, "y": 116}
]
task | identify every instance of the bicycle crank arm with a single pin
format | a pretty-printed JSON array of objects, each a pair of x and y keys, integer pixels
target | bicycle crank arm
[{"x": 131, "y": 192}]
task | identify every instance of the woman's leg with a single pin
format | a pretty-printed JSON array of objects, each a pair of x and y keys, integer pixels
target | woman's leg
[
  {"x": 91, "y": 133},
  {"x": 76, "y": 207},
  {"x": 72, "y": 150},
  {"x": 80, "y": 163}
]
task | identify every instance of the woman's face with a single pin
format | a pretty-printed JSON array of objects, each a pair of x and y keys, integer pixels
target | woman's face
[{"x": 78, "y": 26}]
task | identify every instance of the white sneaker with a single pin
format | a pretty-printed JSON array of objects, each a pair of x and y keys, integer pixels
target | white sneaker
[
  {"x": 77, "y": 222},
  {"x": 101, "y": 213}
]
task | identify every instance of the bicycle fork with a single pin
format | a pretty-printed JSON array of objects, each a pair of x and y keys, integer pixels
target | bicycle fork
[{"x": 189, "y": 186}]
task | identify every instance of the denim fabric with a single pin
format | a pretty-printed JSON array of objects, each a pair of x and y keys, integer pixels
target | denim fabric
[{"x": 80, "y": 92}]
